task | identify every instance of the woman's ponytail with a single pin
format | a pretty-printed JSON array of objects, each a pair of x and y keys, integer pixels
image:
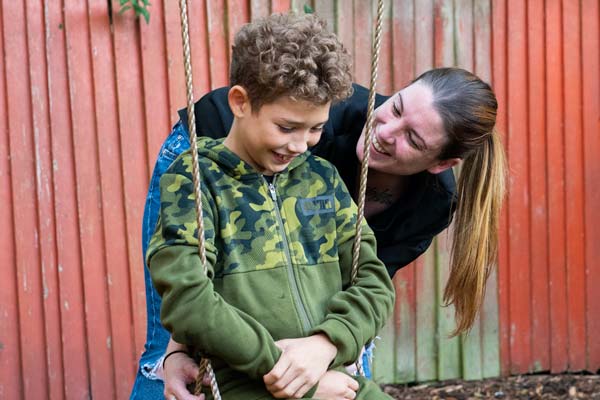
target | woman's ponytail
[{"x": 481, "y": 187}]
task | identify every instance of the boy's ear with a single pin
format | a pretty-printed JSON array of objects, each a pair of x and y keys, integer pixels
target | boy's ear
[
  {"x": 443, "y": 165},
  {"x": 238, "y": 101}
]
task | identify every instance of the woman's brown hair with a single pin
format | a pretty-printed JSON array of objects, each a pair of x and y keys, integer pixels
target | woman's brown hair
[{"x": 468, "y": 108}]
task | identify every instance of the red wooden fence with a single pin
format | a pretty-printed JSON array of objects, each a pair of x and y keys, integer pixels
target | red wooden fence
[{"x": 86, "y": 98}]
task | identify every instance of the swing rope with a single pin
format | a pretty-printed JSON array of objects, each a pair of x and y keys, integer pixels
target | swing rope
[
  {"x": 366, "y": 153},
  {"x": 205, "y": 366}
]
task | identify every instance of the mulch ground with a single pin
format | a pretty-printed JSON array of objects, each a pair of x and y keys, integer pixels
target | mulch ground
[{"x": 567, "y": 386}]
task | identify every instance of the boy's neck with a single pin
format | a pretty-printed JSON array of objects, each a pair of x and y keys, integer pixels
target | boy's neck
[{"x": 232, "y": 143}]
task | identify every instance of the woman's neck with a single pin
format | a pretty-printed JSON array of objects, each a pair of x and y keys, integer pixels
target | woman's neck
[{"x": 383, "y": 190}]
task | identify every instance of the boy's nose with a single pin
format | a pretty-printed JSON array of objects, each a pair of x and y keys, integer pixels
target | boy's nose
[{"x": 297, "y": 146}]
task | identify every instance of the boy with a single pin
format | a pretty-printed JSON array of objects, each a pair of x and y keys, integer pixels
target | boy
[{"x": 277, "y": 309}]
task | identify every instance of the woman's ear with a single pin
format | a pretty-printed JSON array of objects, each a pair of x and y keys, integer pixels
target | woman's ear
[
  {"x": 443, "y": 165},
  {"x": 238, "y": 101}
]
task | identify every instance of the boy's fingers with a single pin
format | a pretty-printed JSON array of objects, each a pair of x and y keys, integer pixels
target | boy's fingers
[
  {"x": 302, "y": 391},
  {"x": 278, "y": 371},
  {"x": 353, "y": 384}
]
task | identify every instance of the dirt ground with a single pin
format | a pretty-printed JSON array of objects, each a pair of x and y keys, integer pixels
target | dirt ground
[{"x": 571, "y": 386}]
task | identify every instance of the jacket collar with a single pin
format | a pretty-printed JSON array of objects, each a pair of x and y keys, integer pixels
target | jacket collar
[{"x": 232, "y": 165}]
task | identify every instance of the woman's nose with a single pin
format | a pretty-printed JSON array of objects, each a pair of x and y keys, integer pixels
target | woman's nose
[{"x": 385, "y": 132}]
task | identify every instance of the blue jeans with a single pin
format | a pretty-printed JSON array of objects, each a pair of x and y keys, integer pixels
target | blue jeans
[{"x": 147, "y": 385}]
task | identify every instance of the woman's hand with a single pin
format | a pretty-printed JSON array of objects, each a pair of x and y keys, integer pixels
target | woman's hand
[
  {"x": 303, "y": 362},
  {"x": 336, "y": 385},
  {"x": 179, "y": 370}
]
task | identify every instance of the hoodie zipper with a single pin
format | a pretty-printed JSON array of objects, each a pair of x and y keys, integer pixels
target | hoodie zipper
[{"x": 290, "y": 271}]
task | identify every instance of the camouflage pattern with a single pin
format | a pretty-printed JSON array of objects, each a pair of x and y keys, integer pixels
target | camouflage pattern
[
  {"x": 316, "y": 211},
  {"x": 279, "y": 256}
]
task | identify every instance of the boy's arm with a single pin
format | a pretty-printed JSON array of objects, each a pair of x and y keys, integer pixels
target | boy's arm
[
  {"x": 356, "y": 314},
  {"x": 191, "y": 310}
]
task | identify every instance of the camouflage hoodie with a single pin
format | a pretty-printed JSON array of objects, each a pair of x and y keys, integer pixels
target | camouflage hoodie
[{"x": 279, "y": 261}]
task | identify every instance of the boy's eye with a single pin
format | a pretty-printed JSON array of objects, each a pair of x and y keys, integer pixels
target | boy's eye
[
  {"x": 285, "y": 129},
  {"x": 317, "y": 129}
]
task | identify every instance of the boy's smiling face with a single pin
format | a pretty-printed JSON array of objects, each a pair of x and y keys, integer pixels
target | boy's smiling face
[{"x": 281, "y": 130}]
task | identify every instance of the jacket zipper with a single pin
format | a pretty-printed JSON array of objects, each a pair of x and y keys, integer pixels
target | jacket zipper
[{"x": 290, "y": 271}]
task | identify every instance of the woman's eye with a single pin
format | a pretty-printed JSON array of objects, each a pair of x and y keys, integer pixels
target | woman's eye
[
  {"x": 412, "y": 142},
  {"x": 395, "y": 110},
  {"x": 317, "y": 130}
]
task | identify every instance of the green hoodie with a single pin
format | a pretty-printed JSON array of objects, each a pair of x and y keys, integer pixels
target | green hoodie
[{"x": 279, "y": 261}]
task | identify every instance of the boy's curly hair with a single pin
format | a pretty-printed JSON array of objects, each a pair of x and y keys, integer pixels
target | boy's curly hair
[{"x": 290, "y": 55}]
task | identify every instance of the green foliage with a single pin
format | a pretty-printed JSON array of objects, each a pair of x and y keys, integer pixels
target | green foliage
[
  {"x": 139, "y": 6},
  {"x": 308, "y": 9}
]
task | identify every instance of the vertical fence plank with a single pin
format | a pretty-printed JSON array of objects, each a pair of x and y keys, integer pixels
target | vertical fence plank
[
  {"x": 540, "y": 310},
  {"x": 11, "y": 385},
  {"x": 556, "y": 188},
  {"x": 278, "y": 6},
  {"x": 259, "y": 8},
  {"x": 132, "y": 130},
  {"x": 471, "y": 352},
  {"x": 405, "y": 340},
  {"x": 238, "y": 14},
  {"x": 590, "y": 36},
  {"x": 326, "y": 10},
  {"x": 482, "y": 59},
  {"x": 218, "y": 54},
  {"x": 155, "y": 78},
  {"x": 23, "y": 174},
  {"x": 45, "y": 196},
  {"x": 518, "y": 200},
  {"x": 82, "y": 92},
  {"x": 573, "y": 143},
  {"x": 121, "y": 339},
  {"x": 499, "y": 36},
  {"x": 425, "y": 321},
  {"x": 362, "y": 42},
  {"x": 384, "y": 360},
  {"x": 201, "y": 56},
  {"x": 403, "y": 42},
  {"x": 384, "y": 73},
  {"x": 344, "y": 26},
  {"x": 424, "y": 35},
  {"x": 449, "y": 365},
  {"x": 425, "y": 273},
  {"x": 75, "y": 355},
  {"x": 174, "y": 54}
]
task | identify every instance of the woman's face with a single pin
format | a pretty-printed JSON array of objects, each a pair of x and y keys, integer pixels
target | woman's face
[{"x": 408, "y": 135}]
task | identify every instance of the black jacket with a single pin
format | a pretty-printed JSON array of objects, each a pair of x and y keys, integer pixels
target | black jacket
[{"x": 405, "y": 230}]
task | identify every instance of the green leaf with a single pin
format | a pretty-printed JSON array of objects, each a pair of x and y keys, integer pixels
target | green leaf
[
  {"x": 308, "y": 9},
  {"x": 146, "y": 15},
  {"x": 123, "y": 9}
]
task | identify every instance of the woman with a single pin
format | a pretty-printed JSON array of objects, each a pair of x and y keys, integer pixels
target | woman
[{"x": 444, "y": 117}]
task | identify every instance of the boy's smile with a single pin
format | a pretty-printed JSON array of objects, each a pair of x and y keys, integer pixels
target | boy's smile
[{"x": 271, "y": 138}]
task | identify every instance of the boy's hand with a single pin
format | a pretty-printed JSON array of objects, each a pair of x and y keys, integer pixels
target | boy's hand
[
  {"x": 303, "y": 362},
  {"x": 336, "y": 385}
]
